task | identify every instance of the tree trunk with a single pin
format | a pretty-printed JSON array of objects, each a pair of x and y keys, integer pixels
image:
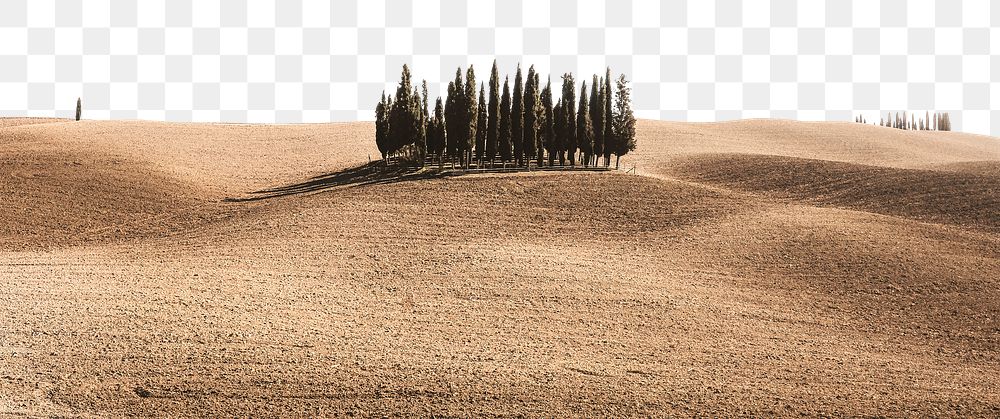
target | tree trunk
[{"x": 617, "y": 160}]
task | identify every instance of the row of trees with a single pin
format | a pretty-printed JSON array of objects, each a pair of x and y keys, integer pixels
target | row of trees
[
  {"x": 937, "y": 122},
  {"x": 518, "y": 127}
]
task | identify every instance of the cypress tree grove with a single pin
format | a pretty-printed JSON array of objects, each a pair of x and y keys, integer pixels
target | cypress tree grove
[
  {"x": 481, "y": 129},
  {"x": 624, "y": 120},
  {"x": 505, "y": 128},
  {"x": 517, "y": 117},
  {"x": 584, "y": 129},
  {"x": 569, "y": 144},
  {"x": 610, "y": 143},
  {"x": 597, "y": 117},
  {"x": 493, "y": 125},
  {"x": 523, "y": 125},
  {"x": 530, "y": 128},
  {"x": 548, "y": 124},
  {"x": 471, "y": 115}
]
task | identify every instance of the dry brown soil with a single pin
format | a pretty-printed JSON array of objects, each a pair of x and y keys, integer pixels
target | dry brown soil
[{"x": 754, "y": 268}]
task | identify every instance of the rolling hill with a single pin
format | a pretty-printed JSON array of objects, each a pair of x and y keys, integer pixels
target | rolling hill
[{"x": 753, "y": 268}]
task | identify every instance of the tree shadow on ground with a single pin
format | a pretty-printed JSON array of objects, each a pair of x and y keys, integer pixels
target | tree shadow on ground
[{"x": 375, "y": 173}]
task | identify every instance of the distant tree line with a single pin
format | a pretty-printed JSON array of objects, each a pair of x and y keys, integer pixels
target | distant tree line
[
  {"x": 519, "y": 128},
  {"x": 936, "y": 122}
]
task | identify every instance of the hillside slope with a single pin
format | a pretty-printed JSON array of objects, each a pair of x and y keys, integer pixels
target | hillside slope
[
  {"x": 662, "y": 141},
  {"x": 764, "y": 268}
]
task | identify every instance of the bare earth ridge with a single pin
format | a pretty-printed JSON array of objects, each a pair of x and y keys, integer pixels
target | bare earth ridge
[{"x": 752, "y": 268}]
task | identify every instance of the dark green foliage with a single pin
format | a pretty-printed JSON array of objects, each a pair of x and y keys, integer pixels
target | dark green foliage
[
  {"x": 569, "y": 141},
  {"x": 404, "y": 115},
  {"x": 530, "y": 128},
  {"x": 481, "y": 128},
  {"x": 522, "y": 125},
  {"x": 609, "y": 133},
  {"x": 517, "y": 117},
  {"x": 455, "y": 116},
  {"x": 547, "y": 131},
  {"x": 505, "y": 128},
  {"x": 382, "y": 127},
  {"x": 584, "y": 128},
  {"x": 597, "y": 116},
  {"x": 471, "y": 115},
  {"x": 493, "y": 125},
  {"x": 79, "y": 108},
  {"x": 425, "y": 116},
  {"x": 540, "y": 120},
  {"x": 420, "y": 127},
  {"x": 436, "y": 131},
  {"x": 624, "y": 120},
  {"x": 559, "y": 132}
]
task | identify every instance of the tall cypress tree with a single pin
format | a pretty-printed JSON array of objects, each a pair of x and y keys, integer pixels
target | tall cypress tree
[
  {"x": 517, "y": 117},
  {"x": 458, "y": 127},
  {"x": 569, "y": 111},
  {"x": 610, "y": 142},
  {"x": 493, "y": 125},
  {"x": 530, "y": 128},
  {"x": 559, "y": 131},
  {"x": 382, "y": 127},
  {"x": 419, "y": 127},
  {"x": 452, "y": 119},
  {"x": 584, "y": 129},
  {"x": 402, "y": 116},
  {"x": 548, "y": 128},
  {"x": 597, "y": 116},
  {"x": 505, "y": 125},
  {"x": 425, "y": 116},
  {"x": 624, "y": 120},
  {"x": 471, "y": 114},
  {"x": 436, "y": 135},
  {"x": 540, "y": 120},
  {"x": 482, "y": 128}
]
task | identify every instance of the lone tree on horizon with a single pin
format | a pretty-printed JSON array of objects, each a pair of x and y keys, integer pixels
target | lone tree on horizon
[{"x": 79, "y": 108}]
